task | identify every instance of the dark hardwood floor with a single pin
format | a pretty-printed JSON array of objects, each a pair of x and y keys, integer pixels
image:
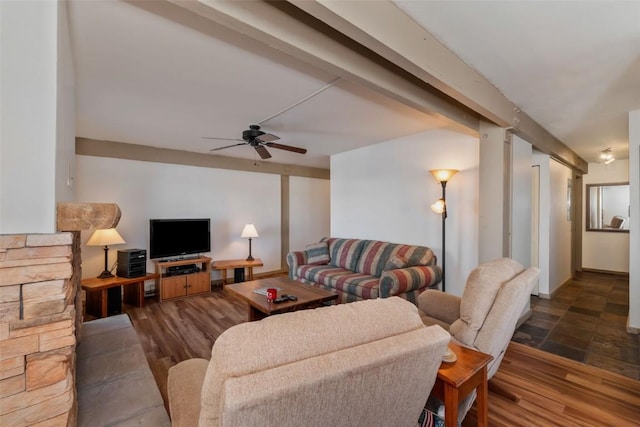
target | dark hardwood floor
[{"x": 543, "y": 389}]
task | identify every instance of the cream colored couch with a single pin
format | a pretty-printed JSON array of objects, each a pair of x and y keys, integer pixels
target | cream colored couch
[
  {"x": 485, "y": 317},
  {"x": 367, "y": 363}
]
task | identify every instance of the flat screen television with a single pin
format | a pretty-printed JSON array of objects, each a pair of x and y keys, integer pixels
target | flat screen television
[{"x": 175, "y": 238}]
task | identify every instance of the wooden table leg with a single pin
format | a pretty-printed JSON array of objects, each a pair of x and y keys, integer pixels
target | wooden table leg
[
  {"x": 250, "y": 270},
  {"x": 482, "y": 400},
  {"x": 103, "y": 302},
  {"x": 451, "y": 401},
  {"x": 224, "y": 277},
  {"x": 140, "y": 294},
  {"x": 255, "y": 314}
]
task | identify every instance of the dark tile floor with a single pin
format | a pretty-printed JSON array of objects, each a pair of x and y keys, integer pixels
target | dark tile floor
[{"x": 586, "y": 321}]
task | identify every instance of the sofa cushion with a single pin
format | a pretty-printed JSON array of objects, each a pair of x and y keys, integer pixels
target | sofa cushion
[
  {"x": 376, "y": 254},
  {"x": 374, "y": 257},
  {"x": 320, "y": 273},
  {"x": 417, "y": 255},
  {"x": 478, "y": 297},
  {"x": 395, "y": 262},
  {"x": 318, "y": 253},
  {"x": 345, "y": 253},
  {"x": 364, "y": 286}
]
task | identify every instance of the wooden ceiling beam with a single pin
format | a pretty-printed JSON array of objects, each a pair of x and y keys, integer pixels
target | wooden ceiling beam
[{"x": 387, "y": 30}]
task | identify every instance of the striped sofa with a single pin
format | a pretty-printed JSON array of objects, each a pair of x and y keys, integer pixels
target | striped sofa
[{"x": 364, "y": 269}]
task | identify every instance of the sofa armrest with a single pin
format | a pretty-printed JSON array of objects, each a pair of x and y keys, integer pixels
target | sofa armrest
[
  {"x": 295, "y": 260},
  {"x": 440, "y": 305},
  {"x": 184, "y": 386},
  {"x": 403, "y": 280}
]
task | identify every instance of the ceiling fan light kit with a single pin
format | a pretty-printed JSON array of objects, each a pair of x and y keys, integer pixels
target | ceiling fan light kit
[
  {"x": 258, "y": 139},
  {"x": 607, "y": 156}
]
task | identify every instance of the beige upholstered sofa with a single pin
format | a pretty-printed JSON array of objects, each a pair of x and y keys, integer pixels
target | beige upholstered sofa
[
  {"x": 369, "y": 363},
  {"x": 485, "y": 317}
]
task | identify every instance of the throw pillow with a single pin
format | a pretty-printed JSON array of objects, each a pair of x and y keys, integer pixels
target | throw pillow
[
  {"x": 395, "y": 262},
  {"x": 318, "y": 253}
]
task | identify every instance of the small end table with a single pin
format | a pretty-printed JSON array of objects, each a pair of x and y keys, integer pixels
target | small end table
[
  {"x": 236, "y": 264},
  {"x": 97, "y": 291},
  {"x": 456, "y": 380}
]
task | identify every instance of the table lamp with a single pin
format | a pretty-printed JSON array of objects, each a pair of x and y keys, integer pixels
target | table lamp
[
  {"x": 105, "y": 237},
  {"x": 248, "y": 233}
]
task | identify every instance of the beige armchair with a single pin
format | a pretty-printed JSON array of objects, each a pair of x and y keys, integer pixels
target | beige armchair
[
  {"x": 368, "y": 363},
  {"x": 485, "y": 317}
]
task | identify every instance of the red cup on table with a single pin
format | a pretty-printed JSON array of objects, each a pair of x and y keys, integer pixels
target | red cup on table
[{"x": 272, "y": 293}]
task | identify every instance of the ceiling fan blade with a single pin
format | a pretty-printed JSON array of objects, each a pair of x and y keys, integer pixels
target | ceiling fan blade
[
  {"x": 228, "y": 146},
  {"x": 266, "y": 137},
  {"x": 223, "y": 139},
  {"x": 264, "y": 154},
  {"x": 286, "y": 147}
]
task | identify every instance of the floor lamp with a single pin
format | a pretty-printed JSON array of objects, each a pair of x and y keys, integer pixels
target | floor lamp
[
  {"x": 442, "y": 176},
  {"x": 105, "y": 237}
]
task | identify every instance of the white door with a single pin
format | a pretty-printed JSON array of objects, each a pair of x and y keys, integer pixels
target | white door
[{"x": 535, "y": 221}]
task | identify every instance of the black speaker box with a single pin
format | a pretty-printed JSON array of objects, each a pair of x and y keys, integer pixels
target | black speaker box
[{"x": 132, "y": 263}]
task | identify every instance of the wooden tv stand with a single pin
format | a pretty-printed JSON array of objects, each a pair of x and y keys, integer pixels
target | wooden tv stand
[{"x": 173, "y": 286}]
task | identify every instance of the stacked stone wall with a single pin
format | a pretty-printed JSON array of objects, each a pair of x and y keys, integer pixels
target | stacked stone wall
[{"x": 39, "y": 323}]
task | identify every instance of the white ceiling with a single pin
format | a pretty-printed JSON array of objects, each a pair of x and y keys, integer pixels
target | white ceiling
[
  {"x": 152, "y": 73},
  {"x": 573, "y": 66}
]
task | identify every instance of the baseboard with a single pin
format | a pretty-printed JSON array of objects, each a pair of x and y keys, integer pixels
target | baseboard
[
  {"x": 615, "y": 273},
  {"x": 632, "y": 329},
  {"x": 552, "y": 294}
]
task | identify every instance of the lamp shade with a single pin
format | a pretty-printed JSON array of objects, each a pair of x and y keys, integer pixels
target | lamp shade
[
  {"x": 105, "y": 237},
  {"x": 438, "y": 206},
  {"x": 249, "y": 231},
  {"x": 443, "y": 175}
]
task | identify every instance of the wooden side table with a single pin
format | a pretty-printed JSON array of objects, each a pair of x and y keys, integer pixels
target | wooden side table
[
  {"x": 224, "y": 265},
  {"x": 97, "y": 291},
  {"x": 456, "y": 380}
]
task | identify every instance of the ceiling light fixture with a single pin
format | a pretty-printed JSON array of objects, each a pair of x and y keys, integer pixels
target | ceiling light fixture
[{"x": 607, "y": 156}]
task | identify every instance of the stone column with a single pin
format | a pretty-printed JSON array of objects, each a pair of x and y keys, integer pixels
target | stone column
[{"x": 41, "y": 316}]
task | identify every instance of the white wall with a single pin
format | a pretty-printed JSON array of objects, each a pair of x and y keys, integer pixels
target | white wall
[
  {"x": 385, "y": 191},
  {"x": 28, "y": 39},
  {"x": 494, "y": 196},
  {"x": 559, "y": 227},
  {"x": 602, "y": 250},
  {"x": 309, "y": 211},
  {"x": 65, "y": 112},
  {"x": 634, "y": 226},
  {"x": 544, "y": 237},
  {"x": 521, "y": 158},
  {"x": 146, "y": 190}
]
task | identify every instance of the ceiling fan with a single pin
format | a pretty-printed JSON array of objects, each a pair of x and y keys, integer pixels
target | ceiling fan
[{"x": 258, "y": 140}]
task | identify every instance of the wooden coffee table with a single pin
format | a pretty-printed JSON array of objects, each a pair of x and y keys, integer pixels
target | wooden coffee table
[{"x": 308, "y": 296}]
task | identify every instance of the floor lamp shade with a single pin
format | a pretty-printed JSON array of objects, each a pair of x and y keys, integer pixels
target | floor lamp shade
[
  {"x": 105, "y": 237},
  {"x": 249, "y": 232}
]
